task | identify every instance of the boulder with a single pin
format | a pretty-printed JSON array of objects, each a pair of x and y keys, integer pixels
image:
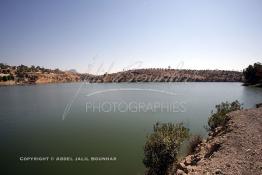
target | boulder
[
  {"x": 211, "y": 148},
  {"x": 188, "y": 160},
  {"x": 180, "y": 172},
  {"x": 219, "y": 172},
  {"x": 259, "y": 105},
  {"x": 183, "y": 167}
]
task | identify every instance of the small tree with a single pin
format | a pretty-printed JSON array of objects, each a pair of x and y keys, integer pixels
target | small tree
[
  {"x": 219, "y": 117},
  {"x": 4, "y": 78},
  {"x": 12, "y": 77},
  {"x": 162, "y": 147}
]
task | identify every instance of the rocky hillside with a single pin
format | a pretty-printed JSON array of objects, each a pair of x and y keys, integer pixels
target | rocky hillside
[
  {"x": 235, "y": 150},
  {"x": 33, "y": 75},
  {"x": 11, "y": 75},
  {"x": 167, "y": 75}
]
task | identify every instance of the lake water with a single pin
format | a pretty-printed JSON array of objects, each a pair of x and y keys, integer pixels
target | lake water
[{"x": 101, "y": 120}]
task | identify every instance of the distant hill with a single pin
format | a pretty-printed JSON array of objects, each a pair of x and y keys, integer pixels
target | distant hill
[
  {"x": 34, "y": 75},
  {"x": 167, "y": 75}
]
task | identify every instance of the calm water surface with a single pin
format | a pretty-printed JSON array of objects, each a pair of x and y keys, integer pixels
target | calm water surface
[{"x": 101, "y": 120}]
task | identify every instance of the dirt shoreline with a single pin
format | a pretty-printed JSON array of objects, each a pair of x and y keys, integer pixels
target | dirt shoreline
[
  {"x": 236, "y": 150},
  {"x": 13, "y": 83}
]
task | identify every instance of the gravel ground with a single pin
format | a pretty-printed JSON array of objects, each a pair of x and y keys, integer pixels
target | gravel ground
[{"x": 241, "y": 147}]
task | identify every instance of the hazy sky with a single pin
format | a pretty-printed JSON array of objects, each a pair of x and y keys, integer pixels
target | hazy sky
[{"x": 91, "y": 34}]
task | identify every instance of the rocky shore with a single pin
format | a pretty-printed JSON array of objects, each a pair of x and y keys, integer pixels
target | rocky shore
[
  {"x": 234, "y": 150},
  {"x": 42, "y": 78}
]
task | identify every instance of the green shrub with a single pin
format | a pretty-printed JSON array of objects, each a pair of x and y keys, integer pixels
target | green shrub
[
  {"x": 219, "y": 117},
  {"x": 162, "y": 147},
  {"x": 5, "y": 78},
  {"x": 193, "y": 142}
]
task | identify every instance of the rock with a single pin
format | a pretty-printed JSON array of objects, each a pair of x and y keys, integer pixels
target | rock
[
  {"x": 209, "y": 138},
  {"x": 258, "y": 105},
  {"x": 180, "y": 172},
  {"x": 191, "y": 168},
  {"x": 198, "y": 148},
  {"x": 228, "y": 165},
  {"x": 219, "y": 172},
  {"x": 218, "y": 131},
  {"x": 208, "y": 146},
  {"x": 195, "y": 158},
  {"x": 188, "y": 160},
  {"x": 211, "y": 148},
  {"x": 183, "y": 167}
]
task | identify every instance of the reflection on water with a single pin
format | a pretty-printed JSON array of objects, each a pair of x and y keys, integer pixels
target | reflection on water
[{"x": 113, "y": 123}]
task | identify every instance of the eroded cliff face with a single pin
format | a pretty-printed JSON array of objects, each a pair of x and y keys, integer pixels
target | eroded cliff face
[
  {"x": 57, "y": 78},
  {"x": 235, "y": 150}
]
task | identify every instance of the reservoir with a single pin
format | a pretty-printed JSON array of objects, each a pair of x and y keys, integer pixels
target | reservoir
[{"x": 104, "y": 123}]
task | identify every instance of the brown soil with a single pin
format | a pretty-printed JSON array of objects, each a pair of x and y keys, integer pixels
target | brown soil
[
  {"x": 234, "y": 151},
  {"x": 7, "y": 83}
]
